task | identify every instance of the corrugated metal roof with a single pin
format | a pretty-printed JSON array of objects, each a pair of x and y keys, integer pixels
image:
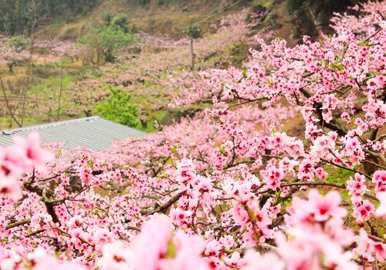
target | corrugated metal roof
[{"x": 92, "y": 132}]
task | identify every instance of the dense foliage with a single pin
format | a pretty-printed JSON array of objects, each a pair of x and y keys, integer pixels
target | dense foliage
[
  {"x": 224, "y": 190},
  {"x": 118, "y": 107},
  {"x": 106, "y": 40},
  {"x": 22, "y": 16}
]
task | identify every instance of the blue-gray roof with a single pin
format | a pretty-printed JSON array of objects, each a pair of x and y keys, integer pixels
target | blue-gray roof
[{"x": 92, "y": 132}]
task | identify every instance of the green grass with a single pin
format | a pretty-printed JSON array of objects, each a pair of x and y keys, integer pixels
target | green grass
[
  {"x": 263, "y": 3},
  {"x": 50, "y": 86},
  {"x": 339, "y": 176}
]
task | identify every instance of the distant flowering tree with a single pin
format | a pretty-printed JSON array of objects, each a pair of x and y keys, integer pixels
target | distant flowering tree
[{"x": 226, "y": 189}]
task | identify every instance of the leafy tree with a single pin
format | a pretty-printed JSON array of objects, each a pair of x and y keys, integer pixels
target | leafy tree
[
  {"x": 193, "y": 32},
  {"x": 119, "y": 108},
  {"x": 106, "y": 40},
  {"x": 18, "y": 16},
  {"x": 121, "y": 21}
]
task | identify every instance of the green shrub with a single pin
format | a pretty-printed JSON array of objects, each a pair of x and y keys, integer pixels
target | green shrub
[
  {"x": 106, "y": 40},
  {"x": 194, "y": 31},
  {"x": 119, "y": 108},
  {"x": 239, "y": 53},
  {"x": 107, "y": 18},
  {"x": 121, "y": 21}
]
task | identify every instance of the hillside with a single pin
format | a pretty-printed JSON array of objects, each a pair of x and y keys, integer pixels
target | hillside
[{"x": 58, "y": 77}]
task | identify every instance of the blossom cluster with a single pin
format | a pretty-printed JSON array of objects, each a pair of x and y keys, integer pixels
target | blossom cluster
[
  {"x": 23, "y": 156},
  {"x": 237, "y": 186}
]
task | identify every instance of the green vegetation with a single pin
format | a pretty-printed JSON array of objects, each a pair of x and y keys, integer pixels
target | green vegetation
[
  {"x": 121, "y": 21},
  {"x": 261, "y": 4},
  {"x": 339, "y": 176},
  {"x": 193, "y": 31},
  {"x": 19, "y": 42},
  {"x": 238, "y": 53},
  {"x": 119, "y": 108},
  {"x": 22, "y": 16},
  {"x": 106, "y": 39}
]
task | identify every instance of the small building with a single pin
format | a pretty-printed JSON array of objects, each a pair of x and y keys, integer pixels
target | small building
[{"x": 93, "y": 133}]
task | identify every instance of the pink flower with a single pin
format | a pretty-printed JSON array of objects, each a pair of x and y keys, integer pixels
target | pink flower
[
  {"x": 376, "y": 83},
  {"x": 379, "y": 179},
  {"x": 369, "y": 249},
  {"x": 306, "y": 170},
  {"x": 185, "y": 172},
  {"x": 357, "y": 185},
  {"x": 272, "y": 176},
  {"x": 116, "y": 256},
  {"x": 27, "y": 152},
  {"x": 325, "y": 207},
  {"x": 43, "y": 261},
  {"x": 152, "y": 243},
  {"x": 11, "y": 261},
  {"x": 255, "y": 261},
  {"x": 213, "y": 248},
  {"x": 363, "y": 209},
  {"x": 10, "y": 188},
  {"x": 353, "y": 150},
  {"x": 321, "y": 173},
  {"x": 86, "y": 176},
  {"x": 306, "y": 247},
  {"x": 381, "y": 210},
  {"x": 181, "y": 217},
  {"x": 188, "y": 254},
  {"x": 9, "y": 169},
  {"x": 317, "y": 208}
]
